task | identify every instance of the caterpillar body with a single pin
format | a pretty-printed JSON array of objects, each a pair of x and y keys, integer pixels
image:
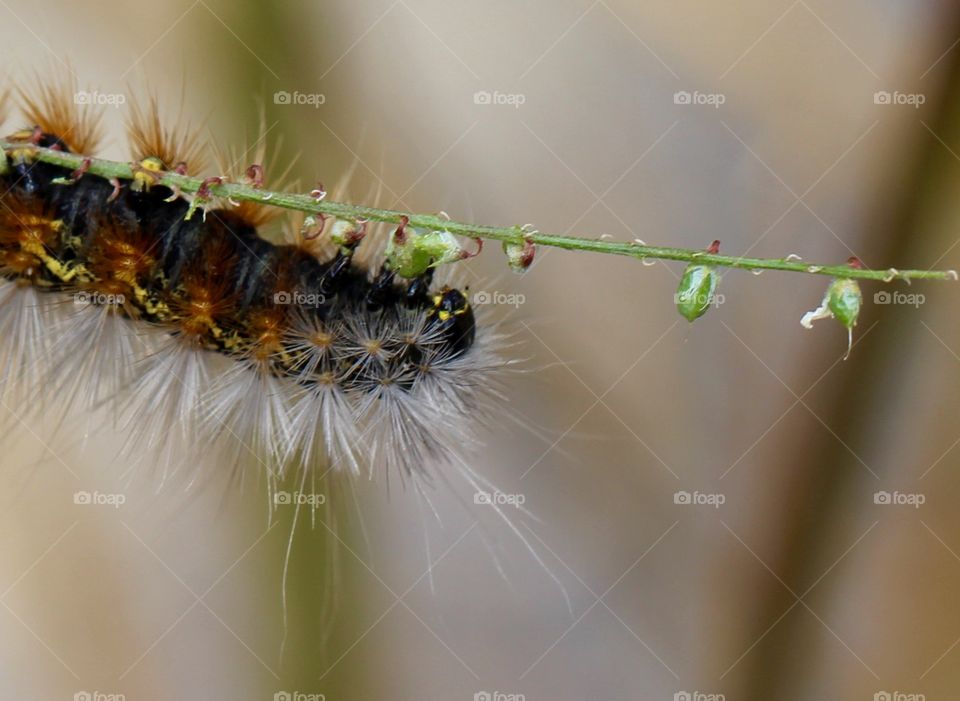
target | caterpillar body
[{"x": 201, "y": 332}]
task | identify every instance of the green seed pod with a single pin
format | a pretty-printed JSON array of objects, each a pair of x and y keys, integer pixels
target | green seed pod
[
  {"x": 842, "y": 301},
  {"x": 696, "y": 291},
  {"x": 411, "y": 253}
]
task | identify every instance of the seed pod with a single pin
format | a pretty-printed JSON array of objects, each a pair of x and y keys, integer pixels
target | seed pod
[
  {"x": 411, "y": 253},
  {"x": 845, "y": 299},
  {"x": 696, "y": 291},
  {"x": 842, "y": 301},
  {"x": 346, "y": 233},
  {"x": 519, "y": 256}
]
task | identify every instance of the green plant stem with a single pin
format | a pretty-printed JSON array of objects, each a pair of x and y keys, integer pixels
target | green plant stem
[{"x": 514, "y": 234}]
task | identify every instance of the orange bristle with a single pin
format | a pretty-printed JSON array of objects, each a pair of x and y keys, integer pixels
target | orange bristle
[
  {"x": 27, "y": 230},
  {"x": 120, "y": 253},
  {"x": 205, "y": 296},
  {"x": 267, "y": 329},
  {"x": 55, "y": 109},
  {"x": 234, "y": 166},
  {"x": 180, "y": 144}
]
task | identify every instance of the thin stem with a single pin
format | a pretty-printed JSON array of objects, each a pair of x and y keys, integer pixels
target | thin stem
[{"x": 514, "y": 234}]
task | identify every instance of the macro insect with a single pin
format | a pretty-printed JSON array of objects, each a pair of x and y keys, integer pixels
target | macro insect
[{"x": 201, "y": 334}]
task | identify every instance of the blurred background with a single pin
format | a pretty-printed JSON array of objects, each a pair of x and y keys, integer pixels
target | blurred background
[{"x": 808, "y": 127}]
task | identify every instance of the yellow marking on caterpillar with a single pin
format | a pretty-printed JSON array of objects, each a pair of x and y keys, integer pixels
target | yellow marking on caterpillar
[
  {"x": 32, "y": 242},
  {"x": 26, "y": 153},
  {"x": 34, "y": 221},
  {"x": 150, "y": 304},
  {"x": 146, "y": 173}
]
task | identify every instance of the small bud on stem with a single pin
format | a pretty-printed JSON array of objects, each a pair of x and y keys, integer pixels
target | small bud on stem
[
  {"x": 697, "y": 288},
  {"x": 842, "y": 301}
]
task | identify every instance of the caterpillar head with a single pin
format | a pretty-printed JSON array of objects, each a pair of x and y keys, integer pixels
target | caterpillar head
[{"x": 452, "y": 313}]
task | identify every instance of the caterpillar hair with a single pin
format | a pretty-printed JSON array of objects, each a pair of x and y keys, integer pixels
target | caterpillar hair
[
  {"x": 201, "y": 334},
  {"x": 209, "y": 343}
]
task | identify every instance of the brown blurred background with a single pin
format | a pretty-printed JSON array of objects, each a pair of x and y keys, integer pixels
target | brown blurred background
[{"x": 798, "y": 586}]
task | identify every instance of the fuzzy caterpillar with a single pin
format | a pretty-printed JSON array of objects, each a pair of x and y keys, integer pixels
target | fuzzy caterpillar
[{"x": 198, "y": 331}]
